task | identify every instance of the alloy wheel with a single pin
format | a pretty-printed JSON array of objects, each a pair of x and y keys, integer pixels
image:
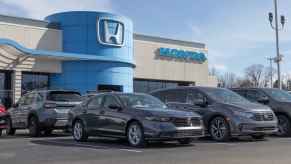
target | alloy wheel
[
  {"x": 135, "y": 134},
  {"x": 78, "y": 131},
  {"x": 218, "y": 129}
]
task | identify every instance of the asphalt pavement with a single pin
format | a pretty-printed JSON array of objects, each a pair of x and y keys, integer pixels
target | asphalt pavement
[{"x": 62, "y": 149}]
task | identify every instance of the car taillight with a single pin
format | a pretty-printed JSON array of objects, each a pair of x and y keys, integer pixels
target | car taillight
[
  {"x": 50, "y": 105},
  {"x": 2, "y": 109}
]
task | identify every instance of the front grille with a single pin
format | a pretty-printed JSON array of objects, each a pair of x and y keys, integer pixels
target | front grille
[
  {"x": 264, "y": 117},
  {"x": 186, "y": 122}
]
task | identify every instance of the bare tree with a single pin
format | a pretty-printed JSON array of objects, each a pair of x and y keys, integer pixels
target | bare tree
[{"x": 254, "y": 74}]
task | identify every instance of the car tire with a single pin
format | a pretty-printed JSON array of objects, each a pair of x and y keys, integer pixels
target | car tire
[
  {"x": 135, "y": 135},
  {"x": 219, "y": 129},
  {"x": 33, "y": 127},
  {"x": 284, "y": 126},
  {"x": 185, "y": 141},
  {"x": 258, "y": 137},
  {"x": 79, "y": 132},
  {"x": 10, "y": 131},
  {"x": 0, "y": 132}
]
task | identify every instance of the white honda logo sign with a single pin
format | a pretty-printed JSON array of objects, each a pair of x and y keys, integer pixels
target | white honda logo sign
[{"x": 110, "y": 32}]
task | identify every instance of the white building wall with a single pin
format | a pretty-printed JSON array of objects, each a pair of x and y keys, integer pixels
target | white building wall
[
  {"x": 30, "y": 37},
  {"x": 150, "y": 66}
]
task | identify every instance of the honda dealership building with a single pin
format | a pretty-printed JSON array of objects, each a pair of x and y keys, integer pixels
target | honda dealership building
[{"x": 91, "y": 51}]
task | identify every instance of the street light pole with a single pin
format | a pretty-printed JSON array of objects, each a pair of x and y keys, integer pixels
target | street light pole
[
  {"x": 271, "y": 71},
  {"x": 278, "y": 58}
]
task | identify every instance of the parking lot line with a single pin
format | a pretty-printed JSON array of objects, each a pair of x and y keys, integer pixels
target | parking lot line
[{"x": 94, "y": 146}]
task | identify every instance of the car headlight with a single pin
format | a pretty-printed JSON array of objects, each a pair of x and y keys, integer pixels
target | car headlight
[
  {"x": 158, "y": 119},
  {"x": 244, "y": 114}
]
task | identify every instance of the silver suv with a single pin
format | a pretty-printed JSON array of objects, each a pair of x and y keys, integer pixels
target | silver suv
[
  {"x": 42, "y": 111},
  {"x": 224, "y": 112}
]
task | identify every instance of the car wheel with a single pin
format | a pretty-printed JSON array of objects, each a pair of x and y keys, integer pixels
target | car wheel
[
  {"x": 185, "y": 141},
  {"x": 33, "y": 127},
  {"x": 284, "y": 126},
  {"x": 135, "y": 135},
  {"x": 10, "y": 131},
  {"x": 79, "y": 132},
  {"x": 219, "y": 129},
  {"x": 258, "y": 137}
]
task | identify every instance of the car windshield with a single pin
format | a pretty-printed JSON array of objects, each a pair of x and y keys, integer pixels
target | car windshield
[
  {"x": 279, "y": 95},
  {"x": 225, "y": 96},
  {"x": 64, "y": 96},
  {"x": 142, "y": 101}
]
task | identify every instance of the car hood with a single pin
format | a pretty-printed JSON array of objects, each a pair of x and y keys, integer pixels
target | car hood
[
  {"x": 248, "y": 107},
  {"x": 162, "y": 112}
]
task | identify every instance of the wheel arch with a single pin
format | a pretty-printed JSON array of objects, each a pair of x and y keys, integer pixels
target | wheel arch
[
  {"x": 131, "y": 121},
  {"x": 209, "y": 119}
]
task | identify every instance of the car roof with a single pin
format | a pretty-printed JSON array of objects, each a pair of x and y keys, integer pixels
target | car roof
[{"x": 185, "y": 87}]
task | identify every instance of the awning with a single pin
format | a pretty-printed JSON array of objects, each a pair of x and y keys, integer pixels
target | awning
[{"x": 10, "y": 45}]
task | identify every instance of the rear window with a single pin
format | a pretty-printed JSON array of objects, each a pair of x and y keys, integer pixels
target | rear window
[{"x": 64, "y": 96}]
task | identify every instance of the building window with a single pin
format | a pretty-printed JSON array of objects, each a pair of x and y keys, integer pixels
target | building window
[
  {"x": 34, "y": 81},
  {"x": 146, "y": 86}
]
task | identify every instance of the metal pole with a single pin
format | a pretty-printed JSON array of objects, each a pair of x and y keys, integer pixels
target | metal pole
[
  {"x": 271, "y": 61},
  {"x": 271, "y": 71},
  {"x": 278, "y": 59}
]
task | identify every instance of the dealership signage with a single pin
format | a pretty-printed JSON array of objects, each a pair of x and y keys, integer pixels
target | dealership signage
[
  {"x": 110, "y": 32},
  {"x": 183, "y": 54}
]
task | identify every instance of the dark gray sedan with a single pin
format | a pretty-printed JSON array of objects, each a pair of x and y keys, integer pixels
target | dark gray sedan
[{"x": 137, "y": 117}]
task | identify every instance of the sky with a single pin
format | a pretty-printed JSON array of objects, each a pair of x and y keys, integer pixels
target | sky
[{"x": 237, "y": 33}]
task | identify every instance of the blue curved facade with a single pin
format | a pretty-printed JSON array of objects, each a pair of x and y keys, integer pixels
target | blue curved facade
[{"x": 97, "y": 34}]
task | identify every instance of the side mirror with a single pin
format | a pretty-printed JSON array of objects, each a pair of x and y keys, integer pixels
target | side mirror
[
  {"x": 263, "y": 100},
  {"x": 202, "y": 102},
  {"x": 115, "y": 107}
]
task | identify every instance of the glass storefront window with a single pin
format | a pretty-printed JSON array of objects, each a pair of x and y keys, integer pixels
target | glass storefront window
[
  {"x": 34, "y": 81},
  {"x": 146, "y": 86}
]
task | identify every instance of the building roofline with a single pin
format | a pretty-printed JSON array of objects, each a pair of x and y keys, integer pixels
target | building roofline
[
  {"x": 144, "y": 37},
  {"x": 28, "y": 21}
]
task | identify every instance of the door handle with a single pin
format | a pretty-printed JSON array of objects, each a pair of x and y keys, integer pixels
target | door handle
[{"x": 102, "y": 112}]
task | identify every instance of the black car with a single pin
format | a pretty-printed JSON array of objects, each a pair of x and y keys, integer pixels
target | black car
[
  {"x": 278, "y": 100},
  {"x": 137, "y": 117},
  {"x": 3, "y": 115},
  {"x": 225, "y": 113},
  {"x": 42, "y": 111}
]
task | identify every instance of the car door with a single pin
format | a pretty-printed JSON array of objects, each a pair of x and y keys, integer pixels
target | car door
[
  {"x": 92, "y": 111},
  {"x": 112, "y": 121},
  {"x": 25, "y": 109}
]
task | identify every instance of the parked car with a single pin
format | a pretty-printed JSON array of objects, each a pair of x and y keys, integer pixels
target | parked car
[
  {"x": 42, "y": 111},
  {"x": 3, "y": 115},
  {"x": 276, "y": 99},
  {"x": 224, "y": 112},
  {"x": 137, "y": 117}
]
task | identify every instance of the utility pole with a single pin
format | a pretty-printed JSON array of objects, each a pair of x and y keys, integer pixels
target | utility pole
[
  {"x": 271, "y": 71},
  {"x": 278, "y": 58}
]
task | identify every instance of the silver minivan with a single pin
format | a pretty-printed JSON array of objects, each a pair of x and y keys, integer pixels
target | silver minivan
[{"x": 225, "y": 113}]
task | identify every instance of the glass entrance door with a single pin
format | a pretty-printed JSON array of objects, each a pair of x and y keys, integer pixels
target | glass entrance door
[{"x": 5, "y": 88}]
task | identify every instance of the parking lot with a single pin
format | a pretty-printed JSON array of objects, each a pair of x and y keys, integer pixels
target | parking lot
[{"x": 61, "y": 149}]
